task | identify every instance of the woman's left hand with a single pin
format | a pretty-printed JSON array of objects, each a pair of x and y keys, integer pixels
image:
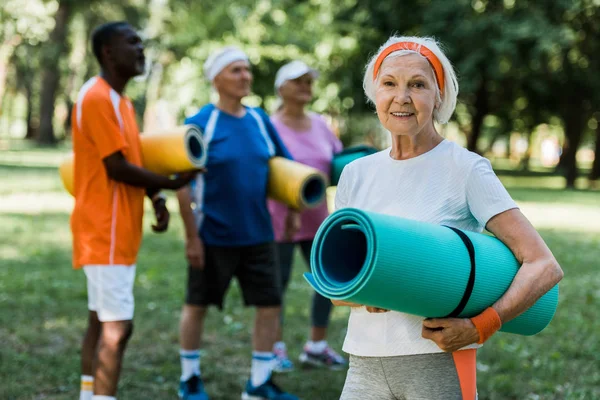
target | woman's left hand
[
  {"x": 450, "y": 334},
  {"x": 292, "y": 225}
]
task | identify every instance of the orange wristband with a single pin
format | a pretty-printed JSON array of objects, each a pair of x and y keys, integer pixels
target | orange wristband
[{"x": 487, "y": 323}]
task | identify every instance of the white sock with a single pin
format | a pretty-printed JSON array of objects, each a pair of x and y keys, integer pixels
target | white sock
[
  {"x": 190, "y": 363},
  {"x": 87, "y": 387},
  {"x": 263, "y": 363},
  {"x": 279, "y": 346},
  {"x": 316, "y": 347},
  {"x": 101, "y": 397}
]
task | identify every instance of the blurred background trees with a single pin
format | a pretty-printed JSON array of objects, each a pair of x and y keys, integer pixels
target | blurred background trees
[{"x": 528, "y": 70}]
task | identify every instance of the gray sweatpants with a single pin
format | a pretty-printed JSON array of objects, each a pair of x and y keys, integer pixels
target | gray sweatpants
[{"x": 415, "y": 377}]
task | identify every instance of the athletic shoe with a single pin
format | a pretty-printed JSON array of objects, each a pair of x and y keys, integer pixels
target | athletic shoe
[
  {"x": 328, "y": 358},
  {"x": 284, "y": 364},
  {"x": 192, "y": 389},
  {"x": 267, "y": 391}
]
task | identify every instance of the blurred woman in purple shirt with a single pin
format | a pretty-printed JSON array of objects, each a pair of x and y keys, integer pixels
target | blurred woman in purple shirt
[{"x": 311, "y": 142}]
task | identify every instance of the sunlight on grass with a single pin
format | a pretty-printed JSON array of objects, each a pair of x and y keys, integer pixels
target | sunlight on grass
[
  {"x": 570, "y": 217},
  {"x": 56, "y": 323},
  {"x": 34, "y": 204},
  {"x": 547, "y": 182},
  {"x": 16, "y": 180},
  {"x": 34, "y": 157},
  {"x": 10, "y": 253}
]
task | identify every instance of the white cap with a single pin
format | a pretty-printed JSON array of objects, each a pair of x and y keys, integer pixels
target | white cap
[
  {"x": 220, "y": 59},
  {"x": 293, "y": 70}
]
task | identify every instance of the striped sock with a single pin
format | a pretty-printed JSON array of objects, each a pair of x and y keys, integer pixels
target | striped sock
[
  {"x": 87, "y": 387},
  {"x": 190, "y": 363},
  {"x": 263, "y": 363}
]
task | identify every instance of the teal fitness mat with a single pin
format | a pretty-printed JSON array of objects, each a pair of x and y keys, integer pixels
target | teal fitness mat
[
  {"x": 344, "y": 158},
  {"x": 417, "y": 268}
]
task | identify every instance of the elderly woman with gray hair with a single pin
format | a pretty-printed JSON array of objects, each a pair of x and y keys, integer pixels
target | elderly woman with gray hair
[
  {"x": 311, "y": 142},
  {"x": 427, "y": 178}
]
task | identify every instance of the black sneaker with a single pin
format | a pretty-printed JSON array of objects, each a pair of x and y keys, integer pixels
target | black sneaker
[
  {"x": 267, "y": 391},
  {"x": 328, "y": 358}
]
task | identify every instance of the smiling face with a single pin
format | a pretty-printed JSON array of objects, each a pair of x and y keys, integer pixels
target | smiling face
[
  {"x": 297, "y": 90},
  {"x": 234, "y": 80},
  {"x": 126, "y": 53},
  {"x": 405, "y": 95}
]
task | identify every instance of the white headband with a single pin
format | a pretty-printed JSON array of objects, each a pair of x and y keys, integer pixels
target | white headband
[{"x": 221, "y": 59}]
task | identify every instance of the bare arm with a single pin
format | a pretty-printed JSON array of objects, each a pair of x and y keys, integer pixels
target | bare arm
[
  {"x": 194, "y": 248},
  {"x": 539, "y": 270},
  {"x": 538, "y": 273},
  {"x": 187, "y": 215},
  {"x": 292, "y": 224},
  {"x": 119, "y": 169}
]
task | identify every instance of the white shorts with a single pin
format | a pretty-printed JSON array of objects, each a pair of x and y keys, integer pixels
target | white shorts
[{"x": 110, "y": 291}]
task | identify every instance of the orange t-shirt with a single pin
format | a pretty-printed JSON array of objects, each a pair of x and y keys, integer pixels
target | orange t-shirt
[{"x": 107, "y": 219}]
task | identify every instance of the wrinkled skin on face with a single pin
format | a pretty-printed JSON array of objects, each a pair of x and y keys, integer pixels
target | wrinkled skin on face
[
  {"x": 235, "y": 80},
  {"x": 297, "y": 90},
  {"x": 405, "y": 95}
]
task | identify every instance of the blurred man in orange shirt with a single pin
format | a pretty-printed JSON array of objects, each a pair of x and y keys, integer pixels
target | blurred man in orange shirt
[{"x": 110, "y": 185}]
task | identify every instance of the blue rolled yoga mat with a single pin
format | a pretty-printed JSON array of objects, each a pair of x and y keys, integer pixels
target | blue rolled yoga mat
[
  {"x": 345, "y": 157},
  {"x": 417, "y": 268}
]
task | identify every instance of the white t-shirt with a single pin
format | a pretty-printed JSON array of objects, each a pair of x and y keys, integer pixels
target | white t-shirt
[{"x": 448, "y": 185}]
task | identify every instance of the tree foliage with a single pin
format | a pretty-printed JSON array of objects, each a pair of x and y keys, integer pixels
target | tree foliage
[{"x": 520, "y": 63}]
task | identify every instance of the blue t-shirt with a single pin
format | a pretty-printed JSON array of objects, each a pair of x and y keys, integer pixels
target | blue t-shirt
[{"x": 231, "y": 197}]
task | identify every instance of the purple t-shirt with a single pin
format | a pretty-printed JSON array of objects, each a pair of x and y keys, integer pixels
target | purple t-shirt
[{"x": 315, "y": 148}]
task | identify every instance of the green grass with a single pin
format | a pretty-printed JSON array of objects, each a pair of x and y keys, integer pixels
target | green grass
[{"x": 43, "y": 304}]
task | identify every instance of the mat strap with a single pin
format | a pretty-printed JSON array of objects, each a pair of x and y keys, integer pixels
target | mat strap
[{"x": 471, "y": 283}]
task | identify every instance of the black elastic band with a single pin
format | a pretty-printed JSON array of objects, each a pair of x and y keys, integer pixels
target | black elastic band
[{"x": 471, "y": 283}]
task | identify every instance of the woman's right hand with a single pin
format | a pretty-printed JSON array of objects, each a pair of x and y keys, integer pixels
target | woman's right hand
[
  {"x": 349, "y": 304},
  {"x": 194, "y": 252},
  {"x": 343, "y": 303},
  {"x": 376, "y": 310}
]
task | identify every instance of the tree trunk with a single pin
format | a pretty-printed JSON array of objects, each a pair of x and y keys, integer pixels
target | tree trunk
[
  {"x": 574, "y": 124},
  {"x": 31, "y": 130},
  {"x": 481, "y": 110},
  {"x": 54, "y": 49},
  {"x": 492, "y": 142},
  {"x": 595, "y": 172},
  {"x": 67, "y": 122},
  {"x": 524, "y": 163}
]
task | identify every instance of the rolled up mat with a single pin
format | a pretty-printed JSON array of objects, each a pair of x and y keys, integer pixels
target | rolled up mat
[
  {"x": 417, "y": 268},
  {"x": 67, "y": 176},
  {"x": 175, "y": 150},
  {"x": 295, "y": 184},
  {"x": 344, "y": 158},
  {"x": 164, "y": 152}
]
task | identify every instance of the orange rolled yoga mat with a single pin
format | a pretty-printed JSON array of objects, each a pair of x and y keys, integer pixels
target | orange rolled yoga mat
[{"x": 164, "y": 152}]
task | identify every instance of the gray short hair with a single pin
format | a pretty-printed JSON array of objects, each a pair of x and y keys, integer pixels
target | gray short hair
[{"x": 447, "y": 100}]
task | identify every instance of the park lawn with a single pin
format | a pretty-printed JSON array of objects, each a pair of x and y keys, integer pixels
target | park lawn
[{"x": 43, "y": 305}]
